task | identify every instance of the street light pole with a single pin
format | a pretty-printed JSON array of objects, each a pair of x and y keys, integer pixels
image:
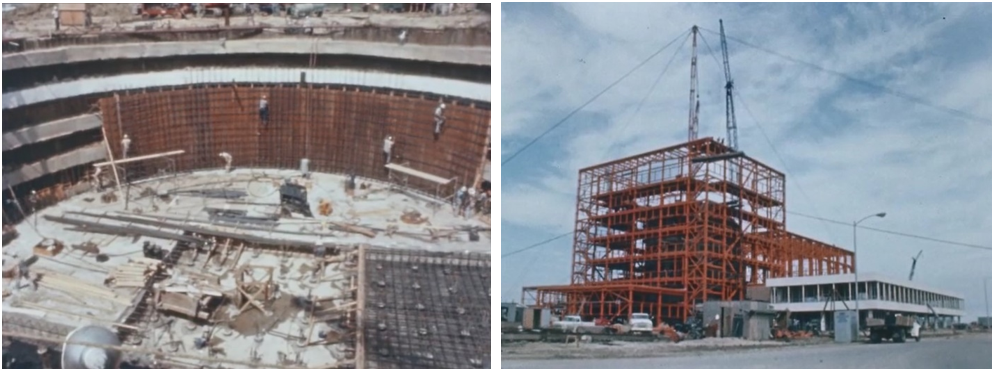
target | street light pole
[{"x": 857, "y": 304}]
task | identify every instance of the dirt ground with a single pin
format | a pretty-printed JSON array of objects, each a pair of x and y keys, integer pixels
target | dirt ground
[
  {"x": 535, "y": 350},
  {"x": 253, "y": 321},
  {"x": 35, "y": 20}
]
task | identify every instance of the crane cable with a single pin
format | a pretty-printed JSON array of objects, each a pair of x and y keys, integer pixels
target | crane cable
[
  {"x": 866, "y": 83},
  {"x": 571, "y": 114}
]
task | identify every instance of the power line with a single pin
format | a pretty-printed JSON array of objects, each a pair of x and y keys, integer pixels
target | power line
[
  {"x": 866, "y": 83},
  {"x": 533, "y": 246},
  {"x": 768, "y": 140},
  {"x": 894, "y": 233},
  {"x": 562, "y": 121}
]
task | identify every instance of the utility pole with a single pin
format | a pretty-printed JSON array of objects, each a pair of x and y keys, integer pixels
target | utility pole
[{"x": 985, "y": 287}]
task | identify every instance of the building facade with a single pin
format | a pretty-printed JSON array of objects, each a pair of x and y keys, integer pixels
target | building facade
[{"x": 816, "y": 297}]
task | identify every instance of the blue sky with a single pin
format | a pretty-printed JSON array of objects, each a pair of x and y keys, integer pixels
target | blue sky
[{"x": 848, "y": 149}]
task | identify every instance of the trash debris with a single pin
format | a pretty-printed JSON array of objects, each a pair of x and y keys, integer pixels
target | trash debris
[
  {"x": 109, "y": 197},
  {"x": 413, "y": 217},
  {"x": 324, "y": 208}
]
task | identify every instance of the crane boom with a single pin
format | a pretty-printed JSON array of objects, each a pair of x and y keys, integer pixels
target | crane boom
[
  {"x": 693, "y": 106},
  {"x": 731, "y": 117},
  {"x": 913, "y": 268}
]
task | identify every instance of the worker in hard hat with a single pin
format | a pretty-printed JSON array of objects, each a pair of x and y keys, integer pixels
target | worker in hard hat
[
  {"x": 388, "y": 147},
  {"x": 264, "y": 110},
  {"x": 439, "y": 120}
]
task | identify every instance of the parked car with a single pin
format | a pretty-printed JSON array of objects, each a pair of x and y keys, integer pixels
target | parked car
[{"x": 306, "y": 10}]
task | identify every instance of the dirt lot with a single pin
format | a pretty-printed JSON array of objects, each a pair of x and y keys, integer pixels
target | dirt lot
[
  {"x": 35, "y": 20},
  {"x": 533, "y": 350},
  {"x": 539, "y": 350},
  {"x": 972, "y": 351}
]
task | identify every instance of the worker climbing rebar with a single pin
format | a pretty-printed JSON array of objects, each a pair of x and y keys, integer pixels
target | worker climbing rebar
[
  {"x": 388, "y": 146},
  {"x": 228, "y": 161},
  {"x": 264, "y": 110},
  {"x": 440, "y": 119},
  {"x": 125, "y": 146}
]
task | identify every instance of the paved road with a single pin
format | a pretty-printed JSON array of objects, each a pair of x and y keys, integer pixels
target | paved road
[{"x": 966, "y": 352}]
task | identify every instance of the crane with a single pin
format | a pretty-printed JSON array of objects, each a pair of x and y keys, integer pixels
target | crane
[
  {"x": 693, "y": 106},
  {"x": 731, "y": 117},
  {"x": 913, "y": 268}
]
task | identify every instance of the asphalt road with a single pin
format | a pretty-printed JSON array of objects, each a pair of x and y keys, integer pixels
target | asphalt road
[{"x": 965, "y": 352}]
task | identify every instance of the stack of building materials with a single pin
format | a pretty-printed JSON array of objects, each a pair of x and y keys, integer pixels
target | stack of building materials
[
  {"x": 134, "y": 274},
  {"x": 72, "y": 285}
]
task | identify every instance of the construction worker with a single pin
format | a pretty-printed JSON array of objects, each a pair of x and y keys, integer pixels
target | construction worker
[
  {"x": 469, "y": 202},
  {"x": 460, "y": 196},
  {"x": 264, "y": 110},
  {"x": 439, "y": 120},
  {"x": 125, "y": 146},
  {"x": 55, "y": 16},
  {"x": 402, "y": 37},
  {"x": 388, "y": 146},
  {"x": 97, "y": 184},
  {"x": 228, "y": 160},
  {"x": 482, "y": 199}
]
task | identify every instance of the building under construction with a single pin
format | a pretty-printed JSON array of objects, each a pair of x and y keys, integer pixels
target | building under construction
[
  {"x": 663, "y": 231},
  {"x": 248, "y": 196}
]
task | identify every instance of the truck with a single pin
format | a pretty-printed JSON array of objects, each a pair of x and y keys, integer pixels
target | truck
[
  {"x": 306, "y": 10},
  {"x": 573, "y": 324},
  {"x": 893, "y": 326},
  {"x": 640, "y": 323}
]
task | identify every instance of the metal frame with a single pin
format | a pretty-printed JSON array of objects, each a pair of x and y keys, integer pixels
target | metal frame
[{"x": 662, "y": 231}]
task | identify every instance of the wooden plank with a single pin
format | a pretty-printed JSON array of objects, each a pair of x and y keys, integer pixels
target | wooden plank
[
  {"x": 242, "y": 247},
  {"x": 224, "y": 254},
  {"x": 419, "y": 174},
  {"x": 141, "y": 158},
  {"x": 85, "y": 317},
  {"x": 360, "y": 302}
]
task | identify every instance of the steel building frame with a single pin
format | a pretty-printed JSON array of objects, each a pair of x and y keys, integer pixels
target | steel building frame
[{"x": 662, "y": 231}]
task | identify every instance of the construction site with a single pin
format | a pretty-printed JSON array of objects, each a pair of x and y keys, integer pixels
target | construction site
[
  {"x": 690, "y": 242},
  {"x": 212, "y": 191}
]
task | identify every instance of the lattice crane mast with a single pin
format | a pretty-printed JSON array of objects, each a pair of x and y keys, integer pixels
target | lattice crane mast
[
  {"x": 693, "y": 106},
  {"x": 731, "y": 117}
]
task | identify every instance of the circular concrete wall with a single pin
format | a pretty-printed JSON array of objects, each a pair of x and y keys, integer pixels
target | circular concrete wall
[{"x": 340, "y": 129}]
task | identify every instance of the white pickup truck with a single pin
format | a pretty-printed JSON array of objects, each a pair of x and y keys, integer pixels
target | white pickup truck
[
  {"x": 573, "y": 324},
  {"x": 641, "y": 323}
]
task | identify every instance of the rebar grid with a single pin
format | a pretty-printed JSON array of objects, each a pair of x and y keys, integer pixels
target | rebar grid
[
  {"x": 426, "y": 310},
  {"x": 340, "y": 129}
]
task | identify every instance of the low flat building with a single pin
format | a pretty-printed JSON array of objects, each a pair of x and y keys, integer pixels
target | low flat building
[{"x": 817, "y": 297}]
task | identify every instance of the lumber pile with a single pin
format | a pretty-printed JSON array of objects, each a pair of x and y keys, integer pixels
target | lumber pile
[
  {"x": 72, "y": 285},
  {"x": 135, "y": 274}
]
